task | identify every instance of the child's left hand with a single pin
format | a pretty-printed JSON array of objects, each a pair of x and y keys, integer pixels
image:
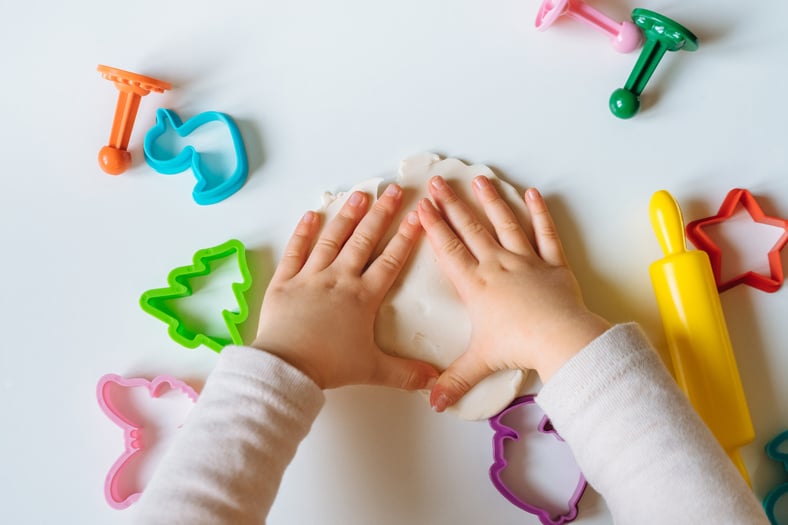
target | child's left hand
[{"x": 319, "y": 310}]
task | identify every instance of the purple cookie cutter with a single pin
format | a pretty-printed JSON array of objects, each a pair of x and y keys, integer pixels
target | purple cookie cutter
[
  {"x": 133, "y": 430},
  {"x": 504, "y": 432}
]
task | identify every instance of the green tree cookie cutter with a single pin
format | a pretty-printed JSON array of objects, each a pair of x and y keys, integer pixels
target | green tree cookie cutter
[{"x": 155, "y": 301}]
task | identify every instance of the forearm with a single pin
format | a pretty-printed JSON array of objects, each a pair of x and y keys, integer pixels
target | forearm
[
  {"x": 227, "y": 462},
  {"x": 639, "y": 442}
]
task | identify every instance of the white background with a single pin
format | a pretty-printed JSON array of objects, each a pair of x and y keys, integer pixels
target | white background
[{"x": 328, "y": 94}]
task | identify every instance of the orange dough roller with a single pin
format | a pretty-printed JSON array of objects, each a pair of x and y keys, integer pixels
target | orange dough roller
[{"x": 114, "y": 158}]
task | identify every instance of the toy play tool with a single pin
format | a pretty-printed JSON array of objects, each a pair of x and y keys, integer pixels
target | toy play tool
[
  {"x": 156, "y": 302},
  {"x": 503, "y": 433},
  {"x": 114, "y": 158},
  {"x": 735, "y": 198},
  {"x": 212, "y": 185},
  {"x": 777, "y": 449},
  {"x": 697, "y": 336},
  {"x": 122, "y": 486},
  {"x": 662, "y": 34},
  {"x": 624, "y": 36}
]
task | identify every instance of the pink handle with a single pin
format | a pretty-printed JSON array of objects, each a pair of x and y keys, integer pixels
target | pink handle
[{"x": 624, "y": 36}]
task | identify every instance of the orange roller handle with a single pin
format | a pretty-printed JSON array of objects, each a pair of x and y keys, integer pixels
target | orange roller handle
[{"x": 114, "y": 158}]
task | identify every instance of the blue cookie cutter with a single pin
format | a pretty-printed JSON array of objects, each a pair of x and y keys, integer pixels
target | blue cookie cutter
[
  {"x": 780, "y": 491},
  {"x": 206, "y": 191}
]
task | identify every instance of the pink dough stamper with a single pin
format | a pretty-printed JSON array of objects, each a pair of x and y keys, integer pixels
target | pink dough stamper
[
  {"x": 624, "y": 36},
  {"x": 124, "y": 482}
]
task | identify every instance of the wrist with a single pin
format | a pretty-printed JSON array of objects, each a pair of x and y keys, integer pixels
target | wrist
[
  {"x": 291, "y": 358},
  {"x": 569, "y": 341}
]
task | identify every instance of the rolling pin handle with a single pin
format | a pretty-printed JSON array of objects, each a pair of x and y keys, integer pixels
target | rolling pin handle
[{"x": 668, "y": 225}]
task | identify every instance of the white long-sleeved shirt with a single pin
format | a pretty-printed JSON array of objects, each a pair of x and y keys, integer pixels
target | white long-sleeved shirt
[{"x": 634, "y": 435}]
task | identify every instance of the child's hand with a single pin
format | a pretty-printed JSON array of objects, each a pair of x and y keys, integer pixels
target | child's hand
[
  {"x": 319, "y": 310},
  {"x": 524, "y": 303}
]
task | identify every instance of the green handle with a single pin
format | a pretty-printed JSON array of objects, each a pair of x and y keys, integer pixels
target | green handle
[{"x": 662, "y": 35}]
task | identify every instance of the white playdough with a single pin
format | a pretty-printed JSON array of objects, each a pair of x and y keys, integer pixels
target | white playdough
[{"x": 422, "y": 316}]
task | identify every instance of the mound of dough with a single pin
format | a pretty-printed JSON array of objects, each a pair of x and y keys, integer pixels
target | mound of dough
[{"x": 422, "y": 316}]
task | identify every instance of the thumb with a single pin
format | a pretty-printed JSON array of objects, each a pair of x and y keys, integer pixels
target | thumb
[
  {"x": 462, "y": 375},
  {"x": 407, "y": 374}
]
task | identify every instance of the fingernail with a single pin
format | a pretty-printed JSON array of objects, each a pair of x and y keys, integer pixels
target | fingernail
[
  {"x": 441, "y": 402},
  {"x": 481, "y": 182},
  {"x": 309, "y": 217},
  {"x": 392, "y": 191},
  {"x": 438, "y": 183},
  {"x": 355, "y": 199},
  {"x": 431, "y": 383},
  {"x": 532, "y": 194},
  {"x": 413, "y": 218}
]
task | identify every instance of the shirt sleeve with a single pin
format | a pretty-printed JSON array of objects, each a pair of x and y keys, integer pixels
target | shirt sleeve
[
  {"x": 638, "y": 440},
  {"x": 227, "y": 461}
]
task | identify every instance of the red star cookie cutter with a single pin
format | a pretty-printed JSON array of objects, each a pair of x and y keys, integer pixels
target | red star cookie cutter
[{"x": 702, "y": 241}]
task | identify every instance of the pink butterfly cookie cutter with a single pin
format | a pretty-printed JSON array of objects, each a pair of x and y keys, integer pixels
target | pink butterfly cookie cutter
[
  {"x": 120, "y": 494},
  {"x": 504, "y": 432}
]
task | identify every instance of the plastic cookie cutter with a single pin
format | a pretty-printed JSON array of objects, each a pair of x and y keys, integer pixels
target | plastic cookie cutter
[
  {"x": 156, "y": 301},
  {"x": 735, "y": 198},
  {"x": 213, "y": 184},
  {"x": 125, "y": 481},
  {"x": 536, "y": 503},
  {"x": 696, "y": 333},
  {"x": 777, "y": 449},
  {"x": 114, "y": 158},
  {"x": 624, "y": 36},
  {"x": 662, "y": 35}
]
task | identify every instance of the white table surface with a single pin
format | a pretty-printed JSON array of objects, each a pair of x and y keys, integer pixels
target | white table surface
[{"x": 328, "y": 94}]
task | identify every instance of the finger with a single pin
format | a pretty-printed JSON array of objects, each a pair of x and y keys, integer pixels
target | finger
[
  {"x": 358, "y": 249},
  {"x": 407, "y": 374},
  {"x": 548, "y": 244},
  {"x": 337, "y": 231},
  {"x": 452, "y": 254},
  {"x": 298, "y": 247},
  {"x": 462, "y": 219},
  {"x": 462, "y": 375},
  {"x": 510, "y": 232},
  {"x": 384, "y": 270}
]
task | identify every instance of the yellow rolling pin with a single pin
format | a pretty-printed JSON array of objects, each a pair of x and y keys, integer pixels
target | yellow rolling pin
[{"x": 697, "y": 336}]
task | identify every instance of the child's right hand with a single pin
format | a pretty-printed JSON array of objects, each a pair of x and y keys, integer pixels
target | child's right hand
[
  {"x": 319, "y": 310},
  {"x": 524, "y": 303}
]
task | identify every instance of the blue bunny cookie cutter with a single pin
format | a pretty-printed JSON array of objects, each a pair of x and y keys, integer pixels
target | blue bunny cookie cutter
[
  {"x": 212, "y": 186},
  {"x": 777, "y": 449}
]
